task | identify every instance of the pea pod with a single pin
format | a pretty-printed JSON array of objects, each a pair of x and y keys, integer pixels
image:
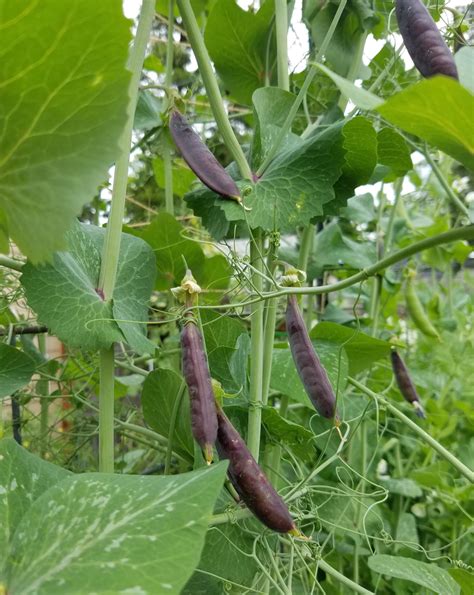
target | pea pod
[
  {"x": 311, "y": 371},
  {"x": 249, "y": 480},
  {"x": 200, "y": 159},
  {"x": 417, "y": 312},
  {"x": 422, "y": 38},
  {"x": 405, "y": 384},
  {"x": 198, "y": 380}
]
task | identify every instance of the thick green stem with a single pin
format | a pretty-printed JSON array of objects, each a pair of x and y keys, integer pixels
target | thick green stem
[
  {"x": 106, "y": 411},
  {"x": 343, "y": 579},
  {"x": 256, "y": 369},
  {"x": 167, "y": 161},
  {"x": 446, "y": 454},
  {"x": 113, "y": 232},
  {"x": 111, "y": 250},
  {"x": 354, "y": 68},
  {"x": 43, "y": 390},
  {"x": 307, "y": 240},
  {"x": 212, "y": 88},
  {"x": 281, "y": 18},
  {"x": 11, "y": 263},
  {"x": 446, "y": 187},
  {"x": 304, "y": 89},
  {"x": 391, "y": 220}
]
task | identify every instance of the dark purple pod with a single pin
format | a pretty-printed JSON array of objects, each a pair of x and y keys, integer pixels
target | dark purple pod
[
  {"x": 405, "y": 384},
  {"x": 312, "y": 374},
  {"x": 249, "y": 480},
  {"x": 424, "y": 42},
  {"x": 198, "y": 379},
  {"x": 200, "y": 159}
]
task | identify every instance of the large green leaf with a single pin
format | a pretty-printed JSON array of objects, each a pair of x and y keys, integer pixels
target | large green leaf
[
  {"x": 237, "y": 41},
  {"x": 161, "y": 389},
  {"x": 296, "y": 437},
  {"x": 16, "y": 369},
  {"x": 393, "y": 151},
  {"x": 65, "y": 297},
  {"x": 64, "y": 101},
  {"x": 221, "y": 334},
  {"x": 361, "y": 349},
  {"x": 285, "y": 379},
  {"x": 23, "y": 478},
  {"x": 167, "y": 238},
  {"x": 426, "y": 575},
  {"x": 114, "y": 533},
  {"x": 439, "y": 111}
]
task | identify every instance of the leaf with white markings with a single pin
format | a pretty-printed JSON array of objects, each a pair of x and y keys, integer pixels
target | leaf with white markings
[
  {"x": 23, "y": 478},
  {"x": 114, "y": 533},
  {"x": 64, "y": 101},
  {"x": 65, "y": 297}
]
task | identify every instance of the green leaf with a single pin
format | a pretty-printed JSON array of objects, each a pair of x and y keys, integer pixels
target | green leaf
[
  {"x": 221, "y": 334},
  {"x": 357, "y": 133},
  {"x": 430, "y": 576},
  {"x": 64, "y": 104},
  {"x": 298, "y": 183},
  {"x": 438, "y": 110},
  {"x": 333, "y": 249},
  {"x": 405, "y": 487},
  {"x": 64, "y": 293},
  {"x": 160, "y": 391},
  {"x": 360, "y": 209},
  {"x": 361, "y": 349},
  {"x": 406, "y": 529},
  {"x": 285, "y": 378},
  {"x": 114, "y": 533},
  {"x": 464, "y": 59},
  {"x": 167, "y": 237},
  {"x": 237, "y": 41},
  {"x": 464, "y": 578},
  {"x": 23, "y": 478},
  {"x": 359, "y": 96},
  {"x": 296, "y": 437},
  {"x": 16, "y": 369},
  {"x": 271, "y": 106},
  {"x": 393, "y": 151},
  {"x": 183, "y": 177},
  {"x": 148, "y": 111}
]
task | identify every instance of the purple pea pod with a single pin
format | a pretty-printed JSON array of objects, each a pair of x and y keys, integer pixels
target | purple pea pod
[
  {"x": 405, "y": 384},
  {"x": 198, "y": 379},
  {"x": 200, "y": 159},
  {"x": 249, "y": 480},
  {"x": 312, "y": 374},
  {"x": 422, "y": 38}
]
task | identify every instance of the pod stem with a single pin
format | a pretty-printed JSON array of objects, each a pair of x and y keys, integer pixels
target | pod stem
[
  {"x": 257, "y": 349},
  {"x": 113, "y": 234},
  {"x": 441, "y": 450},
  {"x": 212, "y": 88}
]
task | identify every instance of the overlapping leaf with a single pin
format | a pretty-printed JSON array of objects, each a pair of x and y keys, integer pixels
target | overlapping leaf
[{"x": 64, "y": 100}]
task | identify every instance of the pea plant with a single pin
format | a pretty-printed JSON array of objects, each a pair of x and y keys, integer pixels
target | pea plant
[{"x": 235, "y": 317}]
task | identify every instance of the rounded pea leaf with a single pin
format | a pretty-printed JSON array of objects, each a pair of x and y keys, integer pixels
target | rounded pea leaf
[
  {"x": 16, "y": 369},
  {"x": 64, "y": 102}
]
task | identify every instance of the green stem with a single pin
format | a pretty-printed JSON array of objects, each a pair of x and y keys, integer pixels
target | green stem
[
  {"x": 276, "y": 454},
  {"x": 106, "y": 411},
  {"x": 167, "y": 161},
  {"x": 11, "y": 263},
  {"x": 354, "y": 68},
  {"x": 304, "y": 89},
  {"x": 391, "y": 221},
  {"x": 256, "y": 369},
  {"x": 43, "y": 390},
  {"x": 307, "y": 240},
  {"x": 446, "y": 187},
  {"x": 446, "y": 454},
  {"x": 343, "y": 579},
  {"x": 281, "y": 18},
  {"x": 212, "y": 88},
  {"x": 174, "y": 417},
  {"x": 113, "y": 234},
  {"x": 363, "y": 457}
]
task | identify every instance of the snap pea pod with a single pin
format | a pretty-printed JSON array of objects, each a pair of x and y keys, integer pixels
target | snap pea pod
[{"x": 417, "y": 312}]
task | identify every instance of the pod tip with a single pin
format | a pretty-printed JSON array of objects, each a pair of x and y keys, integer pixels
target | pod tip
[
  {"x": 208, "y": 453},
  {"x": 420, "y": 412},
  {"x": 297, "y": 533}
]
